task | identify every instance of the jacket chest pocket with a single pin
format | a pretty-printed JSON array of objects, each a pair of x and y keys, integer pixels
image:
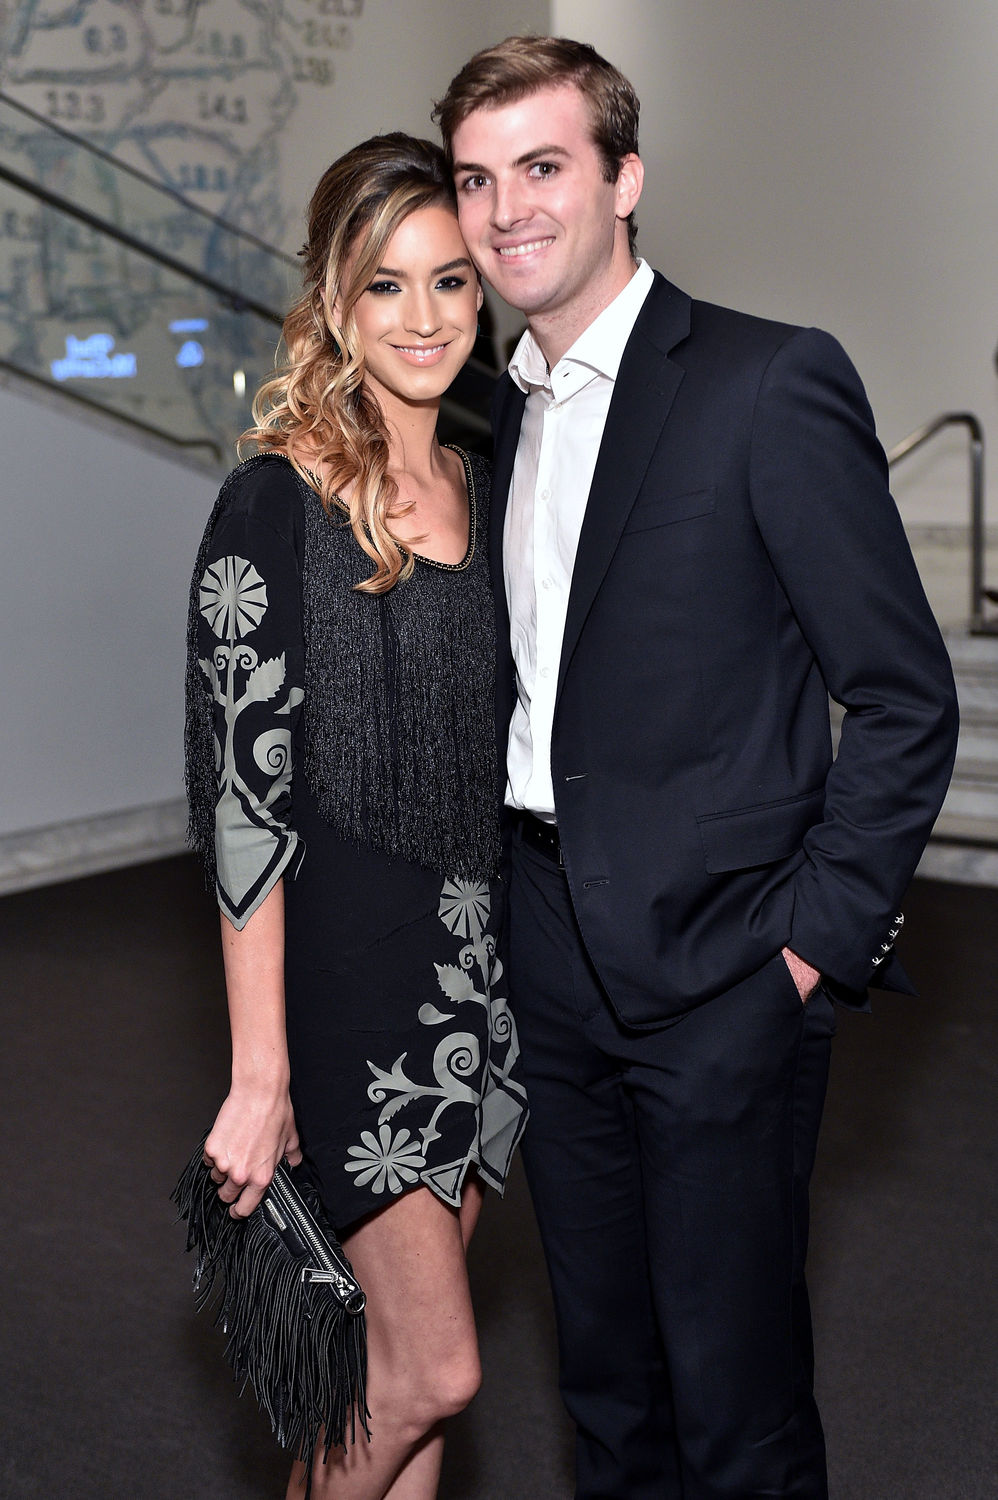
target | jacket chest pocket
[
  {"x": 758, "y": 835},
  {"x": 665, "y": 510}
]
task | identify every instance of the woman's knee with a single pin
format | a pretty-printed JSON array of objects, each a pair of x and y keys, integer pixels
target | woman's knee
[
  {"x": 435, "y": 1391},
  {"x": 459, "y": 1382}
]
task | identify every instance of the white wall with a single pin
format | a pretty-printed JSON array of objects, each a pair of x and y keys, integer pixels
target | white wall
[
  {"x": 830, "y": 163},
  {"x": 99, "y": 539}
]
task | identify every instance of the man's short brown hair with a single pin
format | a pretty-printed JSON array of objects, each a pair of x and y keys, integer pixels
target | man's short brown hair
[{"x": 522, "y": 65}]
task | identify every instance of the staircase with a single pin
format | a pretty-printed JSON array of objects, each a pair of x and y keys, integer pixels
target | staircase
[{"x": 964, "y": 844}]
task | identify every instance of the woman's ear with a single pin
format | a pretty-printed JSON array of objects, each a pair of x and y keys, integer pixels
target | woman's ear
[
  {"x": 481, "y": 295},
  {"x": 337, "y": 309}
]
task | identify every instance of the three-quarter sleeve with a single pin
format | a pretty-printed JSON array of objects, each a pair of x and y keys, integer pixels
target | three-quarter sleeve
[{"x": 250, "y": 652}]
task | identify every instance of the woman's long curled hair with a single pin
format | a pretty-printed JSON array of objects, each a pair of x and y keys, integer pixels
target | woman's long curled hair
[{"x": 317, "y": 394}]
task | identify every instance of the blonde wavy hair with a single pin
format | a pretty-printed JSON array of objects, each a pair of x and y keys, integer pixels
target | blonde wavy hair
[{"x": 316, "y": 396}]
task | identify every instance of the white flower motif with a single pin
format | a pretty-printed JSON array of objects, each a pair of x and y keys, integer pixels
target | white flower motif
[
  {"x": 233, "y": 597},
  {"x": 464, "y": 907},
  {"x": 392, "y": 1163}
]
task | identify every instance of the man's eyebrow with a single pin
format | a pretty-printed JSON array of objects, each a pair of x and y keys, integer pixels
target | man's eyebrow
[
  {"x": 539, "y": 153},
  {"x": 461, "y": 264}
]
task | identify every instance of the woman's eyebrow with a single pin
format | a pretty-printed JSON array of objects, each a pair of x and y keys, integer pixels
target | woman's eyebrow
[{"x": 462, "y": 263}]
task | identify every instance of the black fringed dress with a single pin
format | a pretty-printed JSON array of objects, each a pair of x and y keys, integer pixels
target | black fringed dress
[{"x": 354, "y": 755}]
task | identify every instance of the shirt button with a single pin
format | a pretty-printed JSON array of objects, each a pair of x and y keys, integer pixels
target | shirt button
[
  {"x": 545, "y": 494},
  {"x": 545, "y": 583},
  {"x": 545, "y": 671}
]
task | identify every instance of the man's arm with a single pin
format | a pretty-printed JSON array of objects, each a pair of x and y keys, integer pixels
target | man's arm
[{"x": 819, "y": 492}]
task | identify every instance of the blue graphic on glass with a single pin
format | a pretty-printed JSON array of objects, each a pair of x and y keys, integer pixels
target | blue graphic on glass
[
  {"x": 91, "y": 359},
  {"x": 190, "y": 355}
]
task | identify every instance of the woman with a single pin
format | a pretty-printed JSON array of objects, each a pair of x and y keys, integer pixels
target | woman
[{"x": 342, "y": 631}]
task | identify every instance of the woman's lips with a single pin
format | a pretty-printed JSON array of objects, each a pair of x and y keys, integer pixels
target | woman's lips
[{"x": 421, "y": 354}]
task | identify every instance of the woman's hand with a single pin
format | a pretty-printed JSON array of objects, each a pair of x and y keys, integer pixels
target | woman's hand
[{"x": 253, "y": 1131}]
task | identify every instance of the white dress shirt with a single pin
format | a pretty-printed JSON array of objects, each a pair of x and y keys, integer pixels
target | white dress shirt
[{"x": 560, "y": 436}]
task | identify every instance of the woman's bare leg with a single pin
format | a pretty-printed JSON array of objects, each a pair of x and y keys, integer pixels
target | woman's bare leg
[
  {"x": 420, "y": 1475},
  {"x": 422, "y": 1348}
]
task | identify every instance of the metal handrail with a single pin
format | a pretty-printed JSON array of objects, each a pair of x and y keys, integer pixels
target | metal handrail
[
  {"x": 980, "y": 624},
  {"x": 88, "y": 148},
  {"x": 123, "y": 417},
  {"x": 237, "y": 301}
]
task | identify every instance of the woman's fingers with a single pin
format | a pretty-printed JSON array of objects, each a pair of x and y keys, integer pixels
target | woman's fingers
[
  {"x": 292, "y": 1149},
  {"x": 241, "y": 1169}
]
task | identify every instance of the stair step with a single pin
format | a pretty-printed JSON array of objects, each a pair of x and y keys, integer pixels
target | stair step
[
  {"x": 961, "y": 829},
  {"x": 973, "y": 770},
  {"x": 977, "y": 696},
  {"x": 978, "y": 748},
  {"x": 978, "y": 800}
]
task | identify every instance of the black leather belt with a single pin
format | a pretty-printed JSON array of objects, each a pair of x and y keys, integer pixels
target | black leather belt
[{"x": 541, "y": 836}]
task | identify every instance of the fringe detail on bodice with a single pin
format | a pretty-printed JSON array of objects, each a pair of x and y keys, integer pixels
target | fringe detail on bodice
[{"x": 399, "y": 700}]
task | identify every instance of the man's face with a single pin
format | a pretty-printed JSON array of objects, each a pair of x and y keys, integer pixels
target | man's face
[{"x": 542, "y": 223}]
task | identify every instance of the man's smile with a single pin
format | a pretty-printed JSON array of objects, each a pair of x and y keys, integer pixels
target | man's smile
[{"x": 508, "y": 252}]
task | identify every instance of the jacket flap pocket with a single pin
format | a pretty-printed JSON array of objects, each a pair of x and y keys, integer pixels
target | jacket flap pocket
[
  {"x": 758, "y": 835},
  {"x": 662, "y": 510}
]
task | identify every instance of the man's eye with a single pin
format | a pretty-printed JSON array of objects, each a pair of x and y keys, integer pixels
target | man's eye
[
  {"x": 382, "y": 288},
  {"x": 543, "y": 168},
  {"x": 474, "y": 182}
]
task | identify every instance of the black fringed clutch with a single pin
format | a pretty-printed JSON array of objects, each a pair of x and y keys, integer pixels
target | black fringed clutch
[{"x": 288, "y": 1301}]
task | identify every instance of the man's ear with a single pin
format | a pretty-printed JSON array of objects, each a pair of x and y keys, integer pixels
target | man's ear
[{"x": 630, "y": 180}]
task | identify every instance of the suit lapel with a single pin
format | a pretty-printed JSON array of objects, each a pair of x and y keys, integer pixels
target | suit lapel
[
  {"x": 507, "y": 414},
  {"x": 644, "y": 390},
  {"x": 506, "y": 417}
]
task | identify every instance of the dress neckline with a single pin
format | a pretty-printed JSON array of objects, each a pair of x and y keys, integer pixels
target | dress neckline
[{"x": 433, "y": 562}]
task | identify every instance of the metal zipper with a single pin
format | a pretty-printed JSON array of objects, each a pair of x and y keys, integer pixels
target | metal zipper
[{"x": 330, "y": 1267}]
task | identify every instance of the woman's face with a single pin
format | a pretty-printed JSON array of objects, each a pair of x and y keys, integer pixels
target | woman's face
[{"x": 418, "y": 316}]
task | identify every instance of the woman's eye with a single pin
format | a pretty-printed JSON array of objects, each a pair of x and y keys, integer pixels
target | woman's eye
[
  {"x": 451, "y": 283},
  {"x": 382, "y": 288}
]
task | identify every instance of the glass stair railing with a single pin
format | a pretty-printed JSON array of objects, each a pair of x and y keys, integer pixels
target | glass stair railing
[{"x": 121, "y": 294}]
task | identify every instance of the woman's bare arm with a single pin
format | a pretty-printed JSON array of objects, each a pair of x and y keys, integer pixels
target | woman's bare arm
[{"x": 255, "y": 1126}]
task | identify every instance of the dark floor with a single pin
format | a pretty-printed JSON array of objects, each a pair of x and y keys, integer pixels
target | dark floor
[{"x": 114, "y": 1056}]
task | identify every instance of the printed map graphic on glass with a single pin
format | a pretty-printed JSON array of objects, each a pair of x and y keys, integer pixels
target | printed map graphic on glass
[{"x": 194, "y": 94}]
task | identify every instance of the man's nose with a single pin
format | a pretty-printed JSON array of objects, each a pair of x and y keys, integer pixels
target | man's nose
[{"x": 509, "y": 206}]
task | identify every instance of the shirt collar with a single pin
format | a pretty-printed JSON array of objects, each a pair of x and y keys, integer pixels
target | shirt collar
[{"x": 599, "y": 348}]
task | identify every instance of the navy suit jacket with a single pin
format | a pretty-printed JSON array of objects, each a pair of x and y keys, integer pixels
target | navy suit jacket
[{"x": 740, "y": 560}]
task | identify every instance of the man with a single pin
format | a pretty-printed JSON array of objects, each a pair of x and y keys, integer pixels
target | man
[{"x": 693, "y": 545}]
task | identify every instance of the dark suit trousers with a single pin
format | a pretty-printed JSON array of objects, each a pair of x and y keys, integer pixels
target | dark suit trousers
[{"x": 669, "y": 1170}]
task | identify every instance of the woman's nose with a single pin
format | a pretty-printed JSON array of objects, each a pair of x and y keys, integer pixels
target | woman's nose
[{"x": 422, "y": 315}]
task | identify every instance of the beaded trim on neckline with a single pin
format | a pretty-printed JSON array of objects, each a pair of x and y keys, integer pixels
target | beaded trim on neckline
[{"x": 469, "y": 479}]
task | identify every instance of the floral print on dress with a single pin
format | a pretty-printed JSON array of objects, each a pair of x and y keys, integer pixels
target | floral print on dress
[
  {"x": 254, "y": 844},
  {"x": 389, "y": 1161},
  {"x": 232, "y": 597},
  {"x": 393, "y": 1162}
]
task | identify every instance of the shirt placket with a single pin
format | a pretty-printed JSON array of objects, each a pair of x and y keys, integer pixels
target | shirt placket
[{"x": 548, "y": 607}]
